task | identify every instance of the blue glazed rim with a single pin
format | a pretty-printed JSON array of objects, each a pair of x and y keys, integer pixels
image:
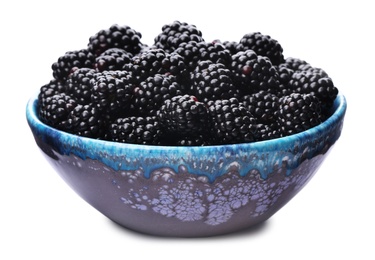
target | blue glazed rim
[{"x": 120, "y": 156}]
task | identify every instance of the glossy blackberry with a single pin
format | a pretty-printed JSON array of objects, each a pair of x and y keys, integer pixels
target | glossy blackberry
[
  {"x": 267, "y": 131},
  {"x": 56, "y": 110},
  {"x": 184, "y": 115},
  {"x": 112, "y": 91},
  {"x": 317, "y": 84},
  {"x": 263, "y": 45},
  {"x": 151, "y": 93},
  {"x": 50, "y": 89},
  {"x": 298, "y": 112},
  {"x": 231, "y": 122},
  {"x": 172, "y": 35},
  {"x": 80, "y": 83},
  {"x": 87, "y": 120},
  {"x": 112, "y": 59},
  {"x": 193, "y": 52},
  {"x": 262, "y": 105},
  {"x": 135, "y": 130},
  {"x": 253, "y": 72},
  {"x": 211, "y": 81},
  {"x": 116, "y": 36},
  {"x": 70, "y": 61}
]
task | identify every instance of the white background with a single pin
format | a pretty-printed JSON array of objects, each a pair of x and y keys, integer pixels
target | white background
[{"x": 331, "y": 218}]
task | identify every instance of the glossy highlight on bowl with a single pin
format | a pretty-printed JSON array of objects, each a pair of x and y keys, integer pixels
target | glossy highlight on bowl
[{"x": 188, "y": 191}]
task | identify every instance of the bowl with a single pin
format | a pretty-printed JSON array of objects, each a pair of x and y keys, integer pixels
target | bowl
[{"x": 195, "y": 191}]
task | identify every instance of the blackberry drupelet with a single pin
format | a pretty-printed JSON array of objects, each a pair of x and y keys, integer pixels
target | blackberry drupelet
[
  {"x": 267, "y": 131},
  {"x": 233, "y": 46},
  {"x": 293, "y": 63},
  {"x": 263, "y": 45},
  {"x": 116, "y": 36},
  {"x": 135, "y": 130},
  {"x": 112, "y": 59},
  {"x": 172, "y": 35},
  {"x": 231, "y": 122},
  {"x": 56, "y": 110},
  {"x": 80, "y": 83},
  {"x": 298, "y": 112},
  {"x": 252, "y": 72},
  {"x": 112, "y": 91},
  {"x": 211, "y": 81},
  {"x": 64, "y": 66},
  {"x": 184, "y": 116},
  {"x": 194, "y": 140},
  {"x": 150, "y": 94},
  {"x": 87, "y": 120}
]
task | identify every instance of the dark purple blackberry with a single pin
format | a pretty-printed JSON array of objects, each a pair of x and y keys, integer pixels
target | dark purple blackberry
[
  {"x": 151, "y": 93},
  {"x": 71, "y": 60},
  {"x": 87, "y": 120},
  {"x": 267, "y": 132},
  {"x": 211, "y": 81},
  {"x": 117, "y": 36},
  {"x": 184, "y": 115},
  {"x": 193, "y": 52},
  {"x": 262, "y": 105},
  {"x": 253, "y": 72},
  {"x": 112, "y": 91},
  {"x": 319, "y": 85},
  {"x": 298, "y": 112},
  {"x": 263, "y": 45},
  {"x": 135, "y": 130},
  {"x": 56, "y": 110},
  {"x": 80, "y": 83},
  {"x": 231, "y": 122},
  {"x": 112, "y": 59},
  {"x": 172, "y": 35},
  {"x": 50, "y": 89}
]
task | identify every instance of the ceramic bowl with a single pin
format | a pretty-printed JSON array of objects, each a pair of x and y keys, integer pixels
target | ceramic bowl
[{"x": 188, "y": 191}]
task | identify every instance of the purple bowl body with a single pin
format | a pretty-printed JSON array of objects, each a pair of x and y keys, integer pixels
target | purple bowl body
[{"x": 188, "y": 191}]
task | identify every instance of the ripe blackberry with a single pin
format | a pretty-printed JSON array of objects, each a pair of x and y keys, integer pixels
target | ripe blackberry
[
  {"x": 135, "y": 130},
  {"x": 211, "y": 81},
  {"x": 151, "y": 93},
  {"x": 319, "y": 85},
  {"x": 172, "y": 35},
  {"x": 87, "y": 120},
  {"x": 50, "y": 89},
  {"x": 184, "y": 116},
  {"x": 263, "y": 45},
  {"x": 116, "y": 36},
  {"x": 112, "y": 91},
  {"x": 253, "y": 72},
  {"x": 193, "y": 52},
  {"x": 298, "y": 112},
  {"x": 262, "y": 105},
  {"x": 72, "y": 60},
  {"x": 80, "y": 83},
  {"x": 231, "y": 122},
  {"x": 112, "y": 59},
  {"x": 267, "y": 131},
  {"x": 56, "y": 110}
]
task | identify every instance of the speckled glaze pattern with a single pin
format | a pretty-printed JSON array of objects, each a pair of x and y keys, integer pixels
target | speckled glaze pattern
[{"x": 188, "y": 191}]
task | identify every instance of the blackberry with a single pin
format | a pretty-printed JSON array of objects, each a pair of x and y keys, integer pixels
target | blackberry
[
  {"x": 253, "y": 72},
  {"x": 298, "y": 112},
  {"x": 112, "y": 91},
  {"x": 112, "y": 59},
  {"x": 116, "y": 36},
  {"x": 211, "y": 81},
  {"x": 135, "y": 130},
  {"x": 319, "y": 85},
  {"x": 285, "y": 75},
  {"x": 263, "y": 45},
  {"x": 193, "y": 52},
  {"x": 267, "y": 131},
  {"x": 151, "y": 93},
  {"x": 262, "y": 105},
  {"x": 56, "y": 110},
  {"x": 70, "y": 61},
  {"x": 231, "y": 122},
  {"x": 184, "y": 115},
  {"x": 87, "y": 121},
  {"x": 80, "y": 83},
  {"x": 50, "y": 89},
  {"x": 172, "y": 35}
]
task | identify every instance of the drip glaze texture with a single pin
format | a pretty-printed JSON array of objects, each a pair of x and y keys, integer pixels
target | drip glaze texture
[{"x": 191, "y": 191}]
